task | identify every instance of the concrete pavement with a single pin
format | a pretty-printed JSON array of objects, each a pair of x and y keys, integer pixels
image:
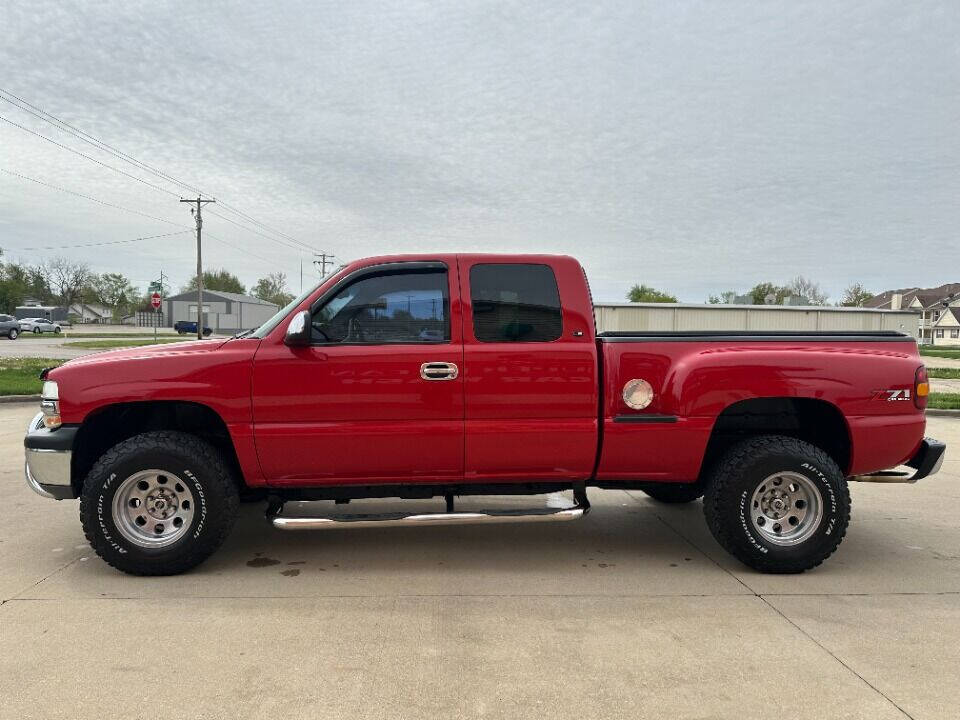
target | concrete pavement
[{"x": 633, "y": 612}]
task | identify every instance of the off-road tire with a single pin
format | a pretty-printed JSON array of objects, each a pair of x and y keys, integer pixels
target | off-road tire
[
  {"x": 13, "y": 334},
  {"x": 730, "y": 487},
  {"x": 197, "y": 464},
  {"x": 674, "y": 493}
]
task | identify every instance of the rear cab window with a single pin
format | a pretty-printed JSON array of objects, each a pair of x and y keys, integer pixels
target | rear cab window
[{"x": 515, "y": 302}]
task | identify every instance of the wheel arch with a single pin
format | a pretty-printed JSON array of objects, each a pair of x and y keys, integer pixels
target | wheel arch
[
  {"x": 813, "y": 420},
  {"x": 114, "y": 423}
]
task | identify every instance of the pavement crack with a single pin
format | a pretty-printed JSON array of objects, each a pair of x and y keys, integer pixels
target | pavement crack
[
  {"x": 835, "y": 657},
  {"x": 791, "y": 622},
  {"x": 43, "y": 579}
]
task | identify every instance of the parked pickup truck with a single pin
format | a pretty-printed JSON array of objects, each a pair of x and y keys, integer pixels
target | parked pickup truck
[
  {"x": 450, "y": 375},
  {"x": 184, "y": 327}
]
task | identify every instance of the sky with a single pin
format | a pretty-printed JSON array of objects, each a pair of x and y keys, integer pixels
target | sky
[{"x": 694, "y": 146}]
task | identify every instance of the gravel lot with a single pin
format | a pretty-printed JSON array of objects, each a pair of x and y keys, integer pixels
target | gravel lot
[{"x": 633, "y": 612}]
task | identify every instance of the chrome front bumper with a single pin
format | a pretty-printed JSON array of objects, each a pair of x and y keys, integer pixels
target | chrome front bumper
[{"x": 48, "y": 457}]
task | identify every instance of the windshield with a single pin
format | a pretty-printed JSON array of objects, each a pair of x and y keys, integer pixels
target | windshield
[{"x": 262, "y": 331}]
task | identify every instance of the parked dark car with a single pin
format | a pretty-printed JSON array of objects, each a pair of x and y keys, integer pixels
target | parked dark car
[
  {"x": 9, "y": 326},
  {"x": 184, "y": 327}
]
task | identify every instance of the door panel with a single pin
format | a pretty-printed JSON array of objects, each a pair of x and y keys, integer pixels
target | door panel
[
  {"x": 355, "y": 412},
  {"x": 531, "y": 405}
]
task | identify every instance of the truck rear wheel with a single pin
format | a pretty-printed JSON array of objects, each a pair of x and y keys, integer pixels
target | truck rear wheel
[
  {"x": 158, "y": 503},
  {"x": 674, "y": 492},
  {"x": 777, "y": 504}
]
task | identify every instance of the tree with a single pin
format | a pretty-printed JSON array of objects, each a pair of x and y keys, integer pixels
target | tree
[
  {"x": 644, "y": 293},
  {"x": 217, "y": 280},
  {"x": 724, "y": 298},
  {"x": 18, "y": 281},
  {"x": 66, "y": 278},
  {"x": 808, "y": 289},
  {"x": 759, "y": 292},
  {"x": 112, "y": 290},
  {"x": 273, "y": 288},
  {"x": 855, "y": 296}
]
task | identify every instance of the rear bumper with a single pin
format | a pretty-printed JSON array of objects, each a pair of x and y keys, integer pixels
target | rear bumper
[
  {"x": 48, "y": 457},
  {"x": 926, "y": 461}
]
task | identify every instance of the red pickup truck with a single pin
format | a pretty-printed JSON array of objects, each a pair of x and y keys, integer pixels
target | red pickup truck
[{"x": 451, "y": 375}]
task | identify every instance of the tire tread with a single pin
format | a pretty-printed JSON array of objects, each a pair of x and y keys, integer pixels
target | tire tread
[
  {"x": 206, "y": 456},
  {"x": 723, "y": 474}
]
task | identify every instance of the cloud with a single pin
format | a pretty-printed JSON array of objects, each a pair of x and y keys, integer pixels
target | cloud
[{"x": 695, "y": 147}]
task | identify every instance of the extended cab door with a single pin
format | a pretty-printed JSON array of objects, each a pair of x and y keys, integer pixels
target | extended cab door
[
  {"x": 378, "y": 395},
  {"x": 530, "y": 367}
]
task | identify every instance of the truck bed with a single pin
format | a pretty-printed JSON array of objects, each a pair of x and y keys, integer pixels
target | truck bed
[{"x": 753, "y": 335}]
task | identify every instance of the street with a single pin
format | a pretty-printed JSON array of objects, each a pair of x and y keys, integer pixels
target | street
[{"x": 633, "y": 610}]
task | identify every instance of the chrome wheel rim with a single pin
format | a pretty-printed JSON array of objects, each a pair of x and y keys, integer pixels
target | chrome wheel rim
[
  {"x": 153, "y": 508},
  {"x": 786, "y": 508}
]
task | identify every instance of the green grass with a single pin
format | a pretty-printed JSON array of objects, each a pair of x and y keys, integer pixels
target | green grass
[
  {"x": 944, "y": 401},
  {"x": 21, "y": 376},
  {"x": 108, "y": 344},
  {"x": 944, "y": 373},
  {"x": 930, "y": 352},
  {"x": 89, "y": 336}
]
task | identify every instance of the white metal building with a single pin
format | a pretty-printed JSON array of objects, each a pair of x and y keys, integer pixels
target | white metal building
[
  {"x": 680, "y": 316},
  {"x": 223, "y": 311}
]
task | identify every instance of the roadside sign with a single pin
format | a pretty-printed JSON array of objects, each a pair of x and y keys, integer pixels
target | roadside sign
[{"x": 155, "y": 300}]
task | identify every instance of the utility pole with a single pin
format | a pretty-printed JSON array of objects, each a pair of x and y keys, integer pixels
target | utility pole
[
  {"x": 196, "y": 214},
  {"x": 323, "y": 259},
  {"x": 157, "y": 286}
]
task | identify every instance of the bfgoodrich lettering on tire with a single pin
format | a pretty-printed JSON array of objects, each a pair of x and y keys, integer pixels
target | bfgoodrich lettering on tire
[
  {"x": 777, "y": 504},
  {"x": 158, "y": 503}
]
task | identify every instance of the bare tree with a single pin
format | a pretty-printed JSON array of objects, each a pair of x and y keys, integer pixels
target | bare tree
[
  {"x": 855, "y": 295},
  {"x": 808, "y": 289},
  {"x": 273, "y": 288},
  {"x": 67, "y": 278}
]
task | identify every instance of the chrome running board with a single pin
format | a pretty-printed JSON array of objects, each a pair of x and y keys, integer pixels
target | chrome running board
[
  {"x": 421, "y": 520},
  {"x": 884, "y": 476}
]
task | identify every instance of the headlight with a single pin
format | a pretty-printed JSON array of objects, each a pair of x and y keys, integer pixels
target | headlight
[{"x": 50, "y": 405}]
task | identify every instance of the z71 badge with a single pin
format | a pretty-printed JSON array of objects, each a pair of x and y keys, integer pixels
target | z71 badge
[{"x": 891, "y": 395}]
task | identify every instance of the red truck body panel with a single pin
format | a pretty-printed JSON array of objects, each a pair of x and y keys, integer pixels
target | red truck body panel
[
  {"x": 698, "y": 380},
  {"x": 359, "y": 413},
  {"x": 350, "y": 414},
  {"x": 531, "y": 408}
]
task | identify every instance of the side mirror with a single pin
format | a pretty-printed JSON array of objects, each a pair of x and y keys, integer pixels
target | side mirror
[{"x": 298, "y": 331}]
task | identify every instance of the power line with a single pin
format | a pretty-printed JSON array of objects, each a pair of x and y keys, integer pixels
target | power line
[
  {"x": 255, "y": 232},
  {"x": 100, "y": 244},
  {"x": 145, "y": 182},
  {"x": 92, "y": 159},
  {"x": 42, "y": 114},
  {"x": 135, "y": 212},
  {"x": 88, "y": 197}
]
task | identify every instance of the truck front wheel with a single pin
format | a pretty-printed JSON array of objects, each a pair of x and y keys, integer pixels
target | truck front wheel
[
  {"x": 158, "y": 503},
  {"x": 777, "y": 504}
]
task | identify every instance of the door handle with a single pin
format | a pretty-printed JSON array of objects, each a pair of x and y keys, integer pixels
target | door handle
[{"x": 439, "y": 371}]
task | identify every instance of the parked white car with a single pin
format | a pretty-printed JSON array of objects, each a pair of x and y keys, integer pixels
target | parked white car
[{"x": 38, "y": 325}]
